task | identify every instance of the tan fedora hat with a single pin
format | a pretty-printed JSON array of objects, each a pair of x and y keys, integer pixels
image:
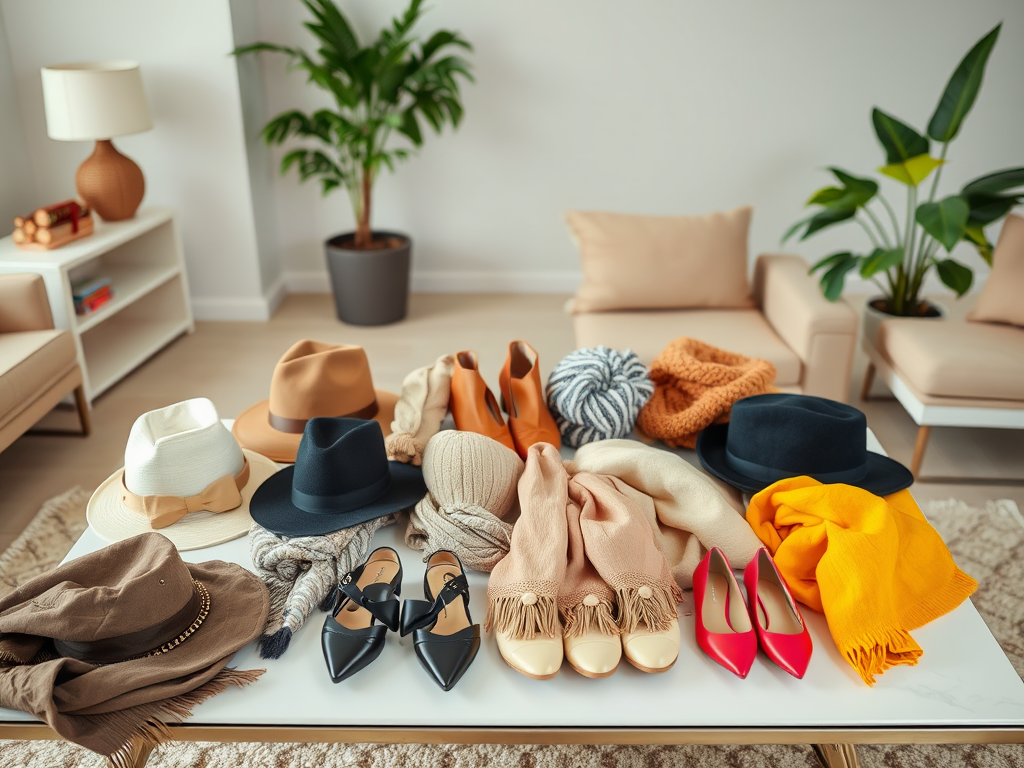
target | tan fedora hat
[
  {"x": 184, "y": 476},
  {"x": 313, "y": 380}
]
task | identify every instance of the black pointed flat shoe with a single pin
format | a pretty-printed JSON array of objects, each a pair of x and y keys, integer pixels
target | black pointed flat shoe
[
  {"x": 351, "y": 637},
  {"x": 444, "y": 635}
]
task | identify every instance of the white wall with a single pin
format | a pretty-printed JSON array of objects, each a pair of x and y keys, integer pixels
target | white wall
[
  {"x": 18, "y": 193},
  {"x": 653, "y": 106},
  {"x": 195, "y": 156}
]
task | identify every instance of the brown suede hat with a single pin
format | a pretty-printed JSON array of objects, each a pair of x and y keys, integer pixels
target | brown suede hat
[
  {"x": 108, "y": 646},
  {"x": 312, "y": 380}
]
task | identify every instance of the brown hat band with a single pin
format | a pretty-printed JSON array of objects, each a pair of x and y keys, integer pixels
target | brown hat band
[
  {"x": 151, "y": 641},
  {"x": 222, "y": 495},
  {"x": 298, "y": 426}
]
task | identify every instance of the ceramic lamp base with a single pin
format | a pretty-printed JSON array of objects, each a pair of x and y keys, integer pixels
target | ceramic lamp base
[{"x": 110, "y": 183}]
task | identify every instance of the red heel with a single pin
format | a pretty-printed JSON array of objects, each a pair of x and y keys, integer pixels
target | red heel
[
  {"x": 780, "y": 627},
  {"x": 723, "y": 628}
]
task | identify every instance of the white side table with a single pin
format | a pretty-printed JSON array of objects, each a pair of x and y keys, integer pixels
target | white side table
[{"x": 145, "y": 262}]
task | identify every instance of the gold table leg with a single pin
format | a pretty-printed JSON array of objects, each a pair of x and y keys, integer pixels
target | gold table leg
[{"x": 836, "y": 755}]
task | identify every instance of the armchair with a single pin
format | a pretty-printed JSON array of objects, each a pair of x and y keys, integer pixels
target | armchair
[{"x": 38, "y": 365}]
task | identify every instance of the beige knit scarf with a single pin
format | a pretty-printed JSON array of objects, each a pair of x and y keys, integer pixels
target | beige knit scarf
[
  {"x": 471, "y": 485},
  {"x": 581, "y": 551},
  {"x": 420, "y": 410}
]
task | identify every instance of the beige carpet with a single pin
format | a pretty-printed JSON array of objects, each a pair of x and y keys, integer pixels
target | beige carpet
[{"x": 987, "y": 542}]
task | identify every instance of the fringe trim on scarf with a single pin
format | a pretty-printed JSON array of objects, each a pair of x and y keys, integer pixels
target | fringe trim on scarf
[
  {"x": 513, "y": 617},
  {"x": 874, "y": 653},
  {"x": 652, "y": 606},
  {"x": 582, "y": 619},
  {"x": 143, "y": 727}
]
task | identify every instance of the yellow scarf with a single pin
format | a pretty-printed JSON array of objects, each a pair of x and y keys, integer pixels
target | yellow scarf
[{"x": 875, "y": 567}]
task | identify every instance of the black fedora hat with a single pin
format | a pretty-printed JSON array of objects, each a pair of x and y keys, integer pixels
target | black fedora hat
[
  {"x": 772, "y": 437},
  {"x": 341, "y": 478}
]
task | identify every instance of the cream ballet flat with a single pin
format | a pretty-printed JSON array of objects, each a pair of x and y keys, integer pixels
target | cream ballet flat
[
  {"x": 595, "y": 654},
  {"x": 652, "y": 651},
  {"x": 539, "y": 658}
]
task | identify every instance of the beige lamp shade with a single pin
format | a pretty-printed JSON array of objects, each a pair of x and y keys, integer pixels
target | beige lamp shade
[{"x": 94, "y": 100}]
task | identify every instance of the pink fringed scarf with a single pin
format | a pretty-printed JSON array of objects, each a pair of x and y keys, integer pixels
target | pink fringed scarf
[{"x": 582, "y": 551}]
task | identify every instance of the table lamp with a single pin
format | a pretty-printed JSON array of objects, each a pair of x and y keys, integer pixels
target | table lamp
[{"x": 100, "y": 100}]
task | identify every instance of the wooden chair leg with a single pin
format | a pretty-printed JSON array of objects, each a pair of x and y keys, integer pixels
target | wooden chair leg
[
  {"x": 869, "y": 378},
  {"x": 83, "y": 410},
  {"x": 923, "y": 433}
]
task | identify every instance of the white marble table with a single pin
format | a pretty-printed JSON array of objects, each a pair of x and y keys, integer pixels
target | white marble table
[{"x": 963, "y": 690}]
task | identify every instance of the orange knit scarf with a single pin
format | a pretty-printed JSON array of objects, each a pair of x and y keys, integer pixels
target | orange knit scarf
[{"x": 695, "y": 385}]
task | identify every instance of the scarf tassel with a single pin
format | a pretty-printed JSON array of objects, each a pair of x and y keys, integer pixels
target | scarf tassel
[
  {"x": 874, "y": 653},
  {"x": 523, "y": 621},
  {"x": 582, "y": 619},
  {"x": 652, "y": 607},
  {"x": 146, "y": 725}
]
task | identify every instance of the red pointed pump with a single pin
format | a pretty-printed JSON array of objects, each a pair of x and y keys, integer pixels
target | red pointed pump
[
  {"x": 780, "y": 627},
  {"x": 723, "y": 627}
]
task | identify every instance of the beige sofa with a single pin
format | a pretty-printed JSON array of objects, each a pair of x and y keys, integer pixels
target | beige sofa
[
  {"x": 38, "y": 364},
  {"x": 809, "y": 339}
]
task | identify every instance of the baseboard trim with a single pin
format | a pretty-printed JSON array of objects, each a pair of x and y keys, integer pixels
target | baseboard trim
[
  {"x": 536, "y": 281},
  {"x": 230, "y": 308}
]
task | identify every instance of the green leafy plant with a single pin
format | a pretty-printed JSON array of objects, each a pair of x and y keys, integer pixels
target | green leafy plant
[
  {"x": 903, "y": 253},
  {"x": 388, "y": 87}
]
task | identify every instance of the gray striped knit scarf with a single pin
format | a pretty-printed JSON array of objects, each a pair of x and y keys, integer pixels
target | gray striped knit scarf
[
  {"x": 596, "y": 394},
  {"x": 302, "y": 574}
]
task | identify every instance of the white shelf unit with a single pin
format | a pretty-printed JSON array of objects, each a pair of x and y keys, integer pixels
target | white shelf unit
[{"x": 144, "y": 260}]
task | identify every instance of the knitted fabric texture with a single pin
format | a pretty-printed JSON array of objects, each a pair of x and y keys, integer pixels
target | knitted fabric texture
[
  {"x": 695, "y": 385},
  {"x": 681, "y": 504},
  {"x": 582, "y": 550},
  {"x": 596, "y": 394},
  {"x": 471, "y": 484},
  {"x": 620, "y": 544},
  {"x": 522, "y": 594},
  {"x": 585, "y": 602},
  {"x": 420, "y": 410},
  {"x": 302, "y": 572},
  {"x": 874, "y": 566}
]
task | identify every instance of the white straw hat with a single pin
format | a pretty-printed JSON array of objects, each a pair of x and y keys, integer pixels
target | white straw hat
[{"x": 184, "y": 476}]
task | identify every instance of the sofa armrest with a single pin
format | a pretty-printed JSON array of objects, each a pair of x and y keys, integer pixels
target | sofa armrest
[
  {"x": 23, "y": 304},
  {"x": 822, "y": 333}
]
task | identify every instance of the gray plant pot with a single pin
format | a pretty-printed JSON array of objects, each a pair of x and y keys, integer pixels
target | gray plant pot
[
  {"x": 873, "y": 318},
  {"x": 370, "y": 287}
]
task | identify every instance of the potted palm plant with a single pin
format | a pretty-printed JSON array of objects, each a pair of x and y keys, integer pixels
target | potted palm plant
[
  {"x": 382, "y": 90},
  {"x": 902, "y": 253}
]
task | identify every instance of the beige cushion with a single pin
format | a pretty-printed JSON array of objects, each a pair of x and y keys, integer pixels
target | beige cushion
[
  {"x": 951, "y": 359},
  {"x": 23, "y": 304},
  {"x": 1002, "y": 298},
  {"x": 30, "y": 362},
  {"x": 661, "y": 262},
  {"x": 738, "y": 330}
]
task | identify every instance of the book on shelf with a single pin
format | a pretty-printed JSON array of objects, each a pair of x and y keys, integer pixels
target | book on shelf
[
  {"x": 94, "y": 301},
  {"x": 88, "y": 308},
  {"x": 80, "y": 289}
]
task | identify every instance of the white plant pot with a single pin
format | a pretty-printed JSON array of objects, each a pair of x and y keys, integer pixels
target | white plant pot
[{"x": 872, "y": 318}]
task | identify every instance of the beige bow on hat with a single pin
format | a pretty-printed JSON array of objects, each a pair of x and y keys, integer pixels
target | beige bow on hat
[
  {"x": 184, "y": 475},
  {"x": 222, "y": 495}
]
